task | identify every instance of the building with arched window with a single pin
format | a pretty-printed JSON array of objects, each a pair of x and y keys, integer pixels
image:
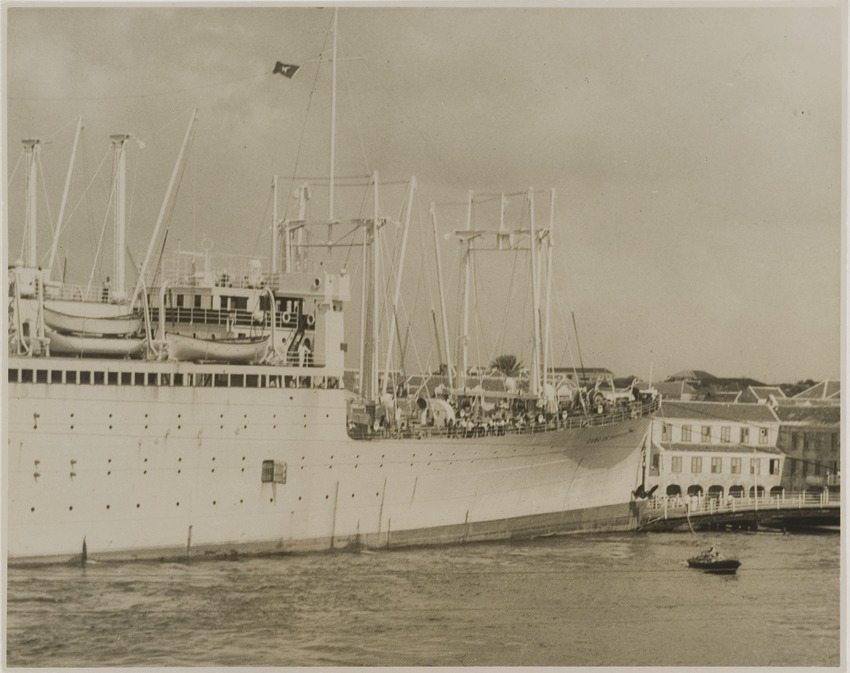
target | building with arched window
[{"x": 714, "y": 449}]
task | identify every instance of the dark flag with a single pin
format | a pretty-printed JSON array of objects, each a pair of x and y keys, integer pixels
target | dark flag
[{"x": 285, "y": 69}]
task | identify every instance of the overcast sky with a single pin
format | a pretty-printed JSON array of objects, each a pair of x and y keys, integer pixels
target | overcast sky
[{"x": 696, "y": 154}]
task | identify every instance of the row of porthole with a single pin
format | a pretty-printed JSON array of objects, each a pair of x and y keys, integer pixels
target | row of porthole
[
  {"x": 138, "y": 505},
  {"x": 214, "y": 502}
]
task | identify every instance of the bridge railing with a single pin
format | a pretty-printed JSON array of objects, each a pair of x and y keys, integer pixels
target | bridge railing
[{"x": 700, "y": 504}]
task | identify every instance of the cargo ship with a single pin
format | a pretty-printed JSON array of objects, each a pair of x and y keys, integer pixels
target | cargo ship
[{"x": 205, "y": 412}]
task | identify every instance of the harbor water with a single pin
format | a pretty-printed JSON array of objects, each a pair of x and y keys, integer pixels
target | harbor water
[{"x": 581, "y": 600}]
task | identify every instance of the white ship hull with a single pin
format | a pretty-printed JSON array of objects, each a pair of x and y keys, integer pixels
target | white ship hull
[{"x": 132, "y": 468}]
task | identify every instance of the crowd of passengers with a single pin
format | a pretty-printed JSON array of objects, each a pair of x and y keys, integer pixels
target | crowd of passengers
[{"x": 507, "y": 417}]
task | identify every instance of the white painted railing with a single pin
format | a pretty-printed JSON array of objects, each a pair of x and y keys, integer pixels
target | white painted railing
[{"x": 708, "y": 505}]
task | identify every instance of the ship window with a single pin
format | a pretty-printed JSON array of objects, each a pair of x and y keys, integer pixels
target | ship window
[
  {"x": 85, "y": 377},
  {"x": 273, "y": 472},
  {"x": 56, "y": 377},
  {"x": 71, "y": 377},
  {"x": 178, "y": 379},
  {"x": 150, "y": 379},
  {"x": 251, "y": 380},
  {"x": 13, "y": 375},
  {"x": 112, "y": 378},
  {"x": 138, "y": 379},
  {"x": 98, "y": 378},
  {"x": 220, "y": 380},
  {"x": 237, "y": 380},
  {"x": 40, "y": 376},
  {"x": 165, "y": 379},
  {"x": 126, "y": 378}
]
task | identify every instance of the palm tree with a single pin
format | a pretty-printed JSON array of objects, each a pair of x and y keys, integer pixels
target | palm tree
[{"x": 507, "y": 365}]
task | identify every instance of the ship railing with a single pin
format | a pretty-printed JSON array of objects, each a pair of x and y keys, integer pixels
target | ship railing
[
  {"x": 491, "y": 429},
  {"x": 228, "y": 317},
  {"x": 62, "y": 292},
  {"x": 701, "y": 504},
  {"x": 206, "y": 268}
]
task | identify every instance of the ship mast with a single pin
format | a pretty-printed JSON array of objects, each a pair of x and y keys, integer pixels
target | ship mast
[
  {"x": 449, "y": 369},
  {"x": 163, "y": 208},
  {"x": 467, "y": 274},
  {"x": 32, "y": 148},
  {"x": 55, "y": 245},
  {"x": 118, "y": 143}
]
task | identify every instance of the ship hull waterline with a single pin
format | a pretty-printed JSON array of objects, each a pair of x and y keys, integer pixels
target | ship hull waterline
[{"x": 151, "y": 471}]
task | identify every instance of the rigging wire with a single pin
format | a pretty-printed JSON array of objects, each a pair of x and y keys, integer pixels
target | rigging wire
[
  {"x": 15, "y": 169},
  {"x": 304, "y": 125},
  {"x": 356, "y": 120}
]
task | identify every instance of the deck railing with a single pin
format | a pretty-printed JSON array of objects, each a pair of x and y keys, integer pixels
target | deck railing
[
  {"x": 712, "y": 505},
  {"x": 471, "y": 429}
]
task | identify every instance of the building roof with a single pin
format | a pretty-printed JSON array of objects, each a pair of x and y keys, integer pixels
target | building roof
[
  {"x": 689, "y": 447},
  {"x": 764, "y": 392},
  {"x": 723, "y": 395},
  {"x": 675, "y": 388},
  {"x": 809, "y": 414},
  {"x": 717, "y": 411},
  {"x": 691, "y": 375},
  {"x": 826, "y": 389}
]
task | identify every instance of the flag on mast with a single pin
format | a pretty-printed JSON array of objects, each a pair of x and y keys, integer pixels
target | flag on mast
[{"x": 285, "y": 69}]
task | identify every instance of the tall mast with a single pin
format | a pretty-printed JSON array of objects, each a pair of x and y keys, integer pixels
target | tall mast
[
  {"x": 397, "y": 293},
  {"x": 164, "y": 206},
  {"x": 333, "y": 122},
  {"x": 118, "y": 142},
  {"x": 432, "y": 214},
  {"x": 275, "y": 229},
  {"x": 535, "y": 298},
  {"x": 467, "y": 276},
  {"x": 32, "y": 147},
  {"x": 55, "y": 244},
  {"x": 376, "y": 305},
  {"x": 548, "y": 310}
]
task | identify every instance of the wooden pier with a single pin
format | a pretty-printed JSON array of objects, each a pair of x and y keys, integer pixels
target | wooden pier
[{"x": 789, "y": 511}]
